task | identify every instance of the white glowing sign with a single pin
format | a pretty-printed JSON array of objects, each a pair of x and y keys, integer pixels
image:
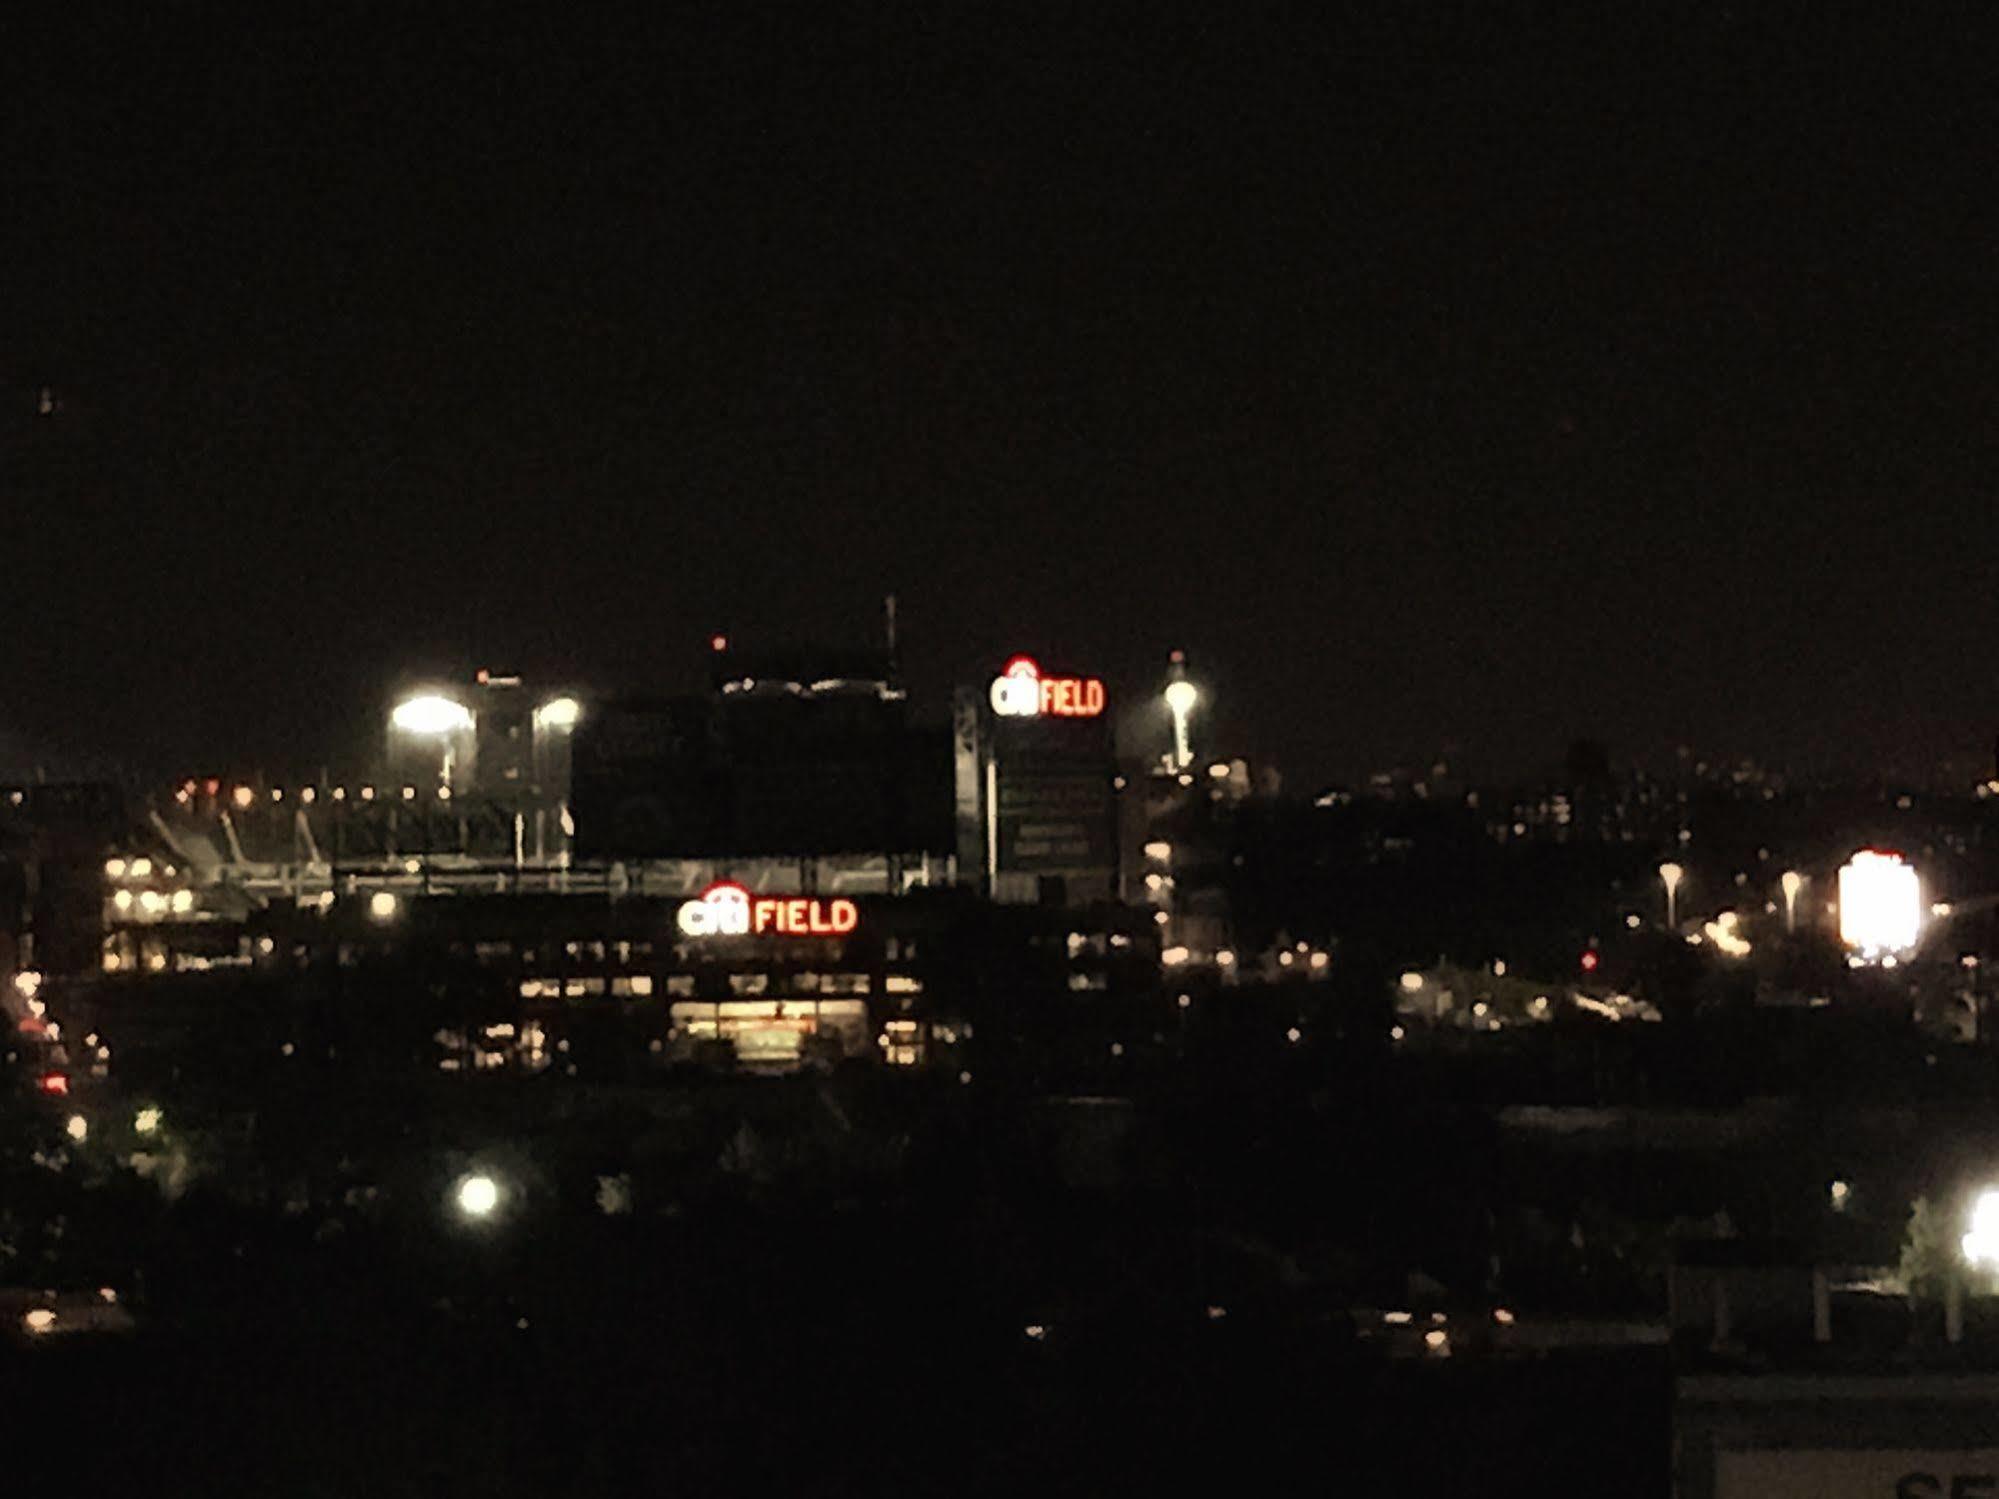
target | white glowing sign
[
  {"x": 726, "y": 909},
  {"x": 1880, "y": 903},
  {"x": 1021, "y": 691}
]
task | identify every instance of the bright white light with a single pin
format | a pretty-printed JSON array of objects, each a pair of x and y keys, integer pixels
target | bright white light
[
  {"x": 77, "y": 1128},
  {"x": 243, "y": 796},
  {"x": 1174, "y": 956},
  {"x": 382, "y": 905},
  {"x": 1792, "y": 883},
  {"x": 477, "y": 1195},
  {"x": 1159, "y": 851},
  {"x": 152, "y": 902},
  {"x": 1411, "y": 982},
  {"x": 559, "y": 713},
  {"x": 140, "y": 869},
  {"x": 1724, "y": 932},
  {"x": 39, "y": 1320},
  {"x": 431, "y": 715},
  {"x": 1981, "y": 1244},
  {"x": 28, "y": 983},
  {"x": 1880, "y": 904},
  {"x": 114, "y": 868},
  {"x": 183, "y": 901},
  {"x": 1181, "y": 697},
  {"x": 1502, "y": 1316},
  {"x": 146, "y": 1121}
]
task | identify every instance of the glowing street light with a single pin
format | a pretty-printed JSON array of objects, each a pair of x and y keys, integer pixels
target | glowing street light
[
  {"x": 382, "y": 905},
  {"x": 476, "y": 1196},
  {"x": 1792, "y": 882},
  {"x": 1181, "y": 696},
  {"x": 1670, "y": 876}
]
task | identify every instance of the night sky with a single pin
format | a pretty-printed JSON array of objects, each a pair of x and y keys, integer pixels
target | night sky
[{"x": 1467, "y": 382}]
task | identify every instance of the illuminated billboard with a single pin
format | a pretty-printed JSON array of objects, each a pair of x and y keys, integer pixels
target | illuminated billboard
[
  {"x": 1880, "y": 904},
  {"x": 1021, "y": 691},
  {"x": 726, "y": 909}
]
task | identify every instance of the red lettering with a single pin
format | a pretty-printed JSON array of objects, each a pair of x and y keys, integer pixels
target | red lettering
[
  {"x": 820, "y": 925},
  {"x": 762, "y": 913},
  {"x": 795, "y": 919},
  {"x": 846, "y": 916},
  {"x": 1093, "y": 697}
]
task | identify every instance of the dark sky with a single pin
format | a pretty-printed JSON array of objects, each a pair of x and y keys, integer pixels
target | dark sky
[{"x": 1465, "y": 380}]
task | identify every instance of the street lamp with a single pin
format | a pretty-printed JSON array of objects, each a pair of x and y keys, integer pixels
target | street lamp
[
  {"x": 1181, "y": 696},
  {"x": 1793, "y": 882},
  {"x": 1670, "y": 876},
  {"x": 476, "y": 1196}
]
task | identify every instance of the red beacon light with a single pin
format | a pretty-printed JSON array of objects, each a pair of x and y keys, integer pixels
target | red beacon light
[
  {"x": 1589, "y": 960},
  {"x": 56, "y": 1083}
]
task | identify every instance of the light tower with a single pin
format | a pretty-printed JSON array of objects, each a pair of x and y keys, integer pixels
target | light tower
[{"x": 1181, "y": 698}]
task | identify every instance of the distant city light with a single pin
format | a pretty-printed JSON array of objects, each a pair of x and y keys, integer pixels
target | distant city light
[
  {"x": 183, "y": 901},
  {"x": 559, "y": 713},
  {"x": 1589, "y": 960},
  {"x": 382, "y": 905},
  {"x": 1159, "y": 852},
  {"x": 1670, "y": 876},
  {"x": 1839, "y": 1194},
  {"x": 1412, "y": 982},
  {"x": 1725, "y": 933},
  {"x": 39, "y": 1320},
  {"x": 1880, "y": 904},
  {"x": 146, "y": 1121},
  {"x": 242, "y": 796},
  {"x": 77, "y": 1128},
  {"x": 431, "y": 715},
  {"x": 140, "y": 869},
  {"x": 1174, "y": 956},
  {"x": 477, "y": 1195},
  {"x": 114, "y": 868},
  {"x": 718, "y": 642},
  {"x": 28, "y": 983}
]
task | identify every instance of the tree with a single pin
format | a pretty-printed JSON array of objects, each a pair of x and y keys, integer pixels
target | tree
[{"x": 1929, "y": 1253}]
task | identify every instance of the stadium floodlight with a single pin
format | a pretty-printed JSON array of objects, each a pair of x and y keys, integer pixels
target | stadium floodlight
[
  {"x": 431, "y": 715},
  {"x": 559, "y": 713}
]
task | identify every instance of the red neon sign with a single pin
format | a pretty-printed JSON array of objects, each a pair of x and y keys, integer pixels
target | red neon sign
[
  {"x": 726, "y": 909},
  {"x": 1020, "y": 691}
]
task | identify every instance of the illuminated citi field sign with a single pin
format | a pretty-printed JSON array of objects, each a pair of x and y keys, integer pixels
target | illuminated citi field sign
[
  {"x": 726, "y": 909},
  {"x": 1021, "y": 691}
]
